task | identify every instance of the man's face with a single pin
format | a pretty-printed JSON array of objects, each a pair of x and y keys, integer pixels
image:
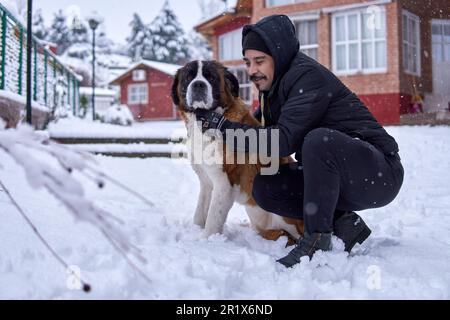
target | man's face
[{"x": 260, "y": 67}]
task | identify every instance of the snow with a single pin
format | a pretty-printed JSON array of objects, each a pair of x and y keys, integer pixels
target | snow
[
  {"x": 216, "y": 9},
  {"x": 22, "y": 100},
  {"x": 74, "y": 127},
  {"x": 130, "y": 148},
  {"x": 12, "y": 7},
  {"x": 118, "y": 114},
  {"x": 98, "y": 91},
  {"x": 406, "y": 257},
  {"x": 170, "y": 69}
]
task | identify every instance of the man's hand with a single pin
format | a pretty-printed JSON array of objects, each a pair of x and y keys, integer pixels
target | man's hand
[{"x": 210, "y": 119}]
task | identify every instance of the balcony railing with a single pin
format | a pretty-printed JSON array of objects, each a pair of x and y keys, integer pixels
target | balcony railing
[{"x": 53, "y": 84}]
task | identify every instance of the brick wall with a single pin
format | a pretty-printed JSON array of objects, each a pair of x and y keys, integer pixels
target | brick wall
[{"x": 426, "y": 11}]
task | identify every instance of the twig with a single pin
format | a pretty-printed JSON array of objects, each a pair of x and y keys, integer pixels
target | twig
[{"x": 86, "y": 286}]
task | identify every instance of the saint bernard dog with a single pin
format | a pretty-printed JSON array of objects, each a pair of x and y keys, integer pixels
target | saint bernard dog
[{"x": 209, "y": 85}]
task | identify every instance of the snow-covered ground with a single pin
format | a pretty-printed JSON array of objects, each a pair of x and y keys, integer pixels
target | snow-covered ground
[
  {"x": 75, "y": 127},
  {"x": 406, "y": 257}
]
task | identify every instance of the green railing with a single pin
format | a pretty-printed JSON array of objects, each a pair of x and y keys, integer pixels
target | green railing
[{"x": 53, "y": 84}]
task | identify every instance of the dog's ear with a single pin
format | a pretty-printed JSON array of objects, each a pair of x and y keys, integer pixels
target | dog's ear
[
  {"x": 232, "y": 83},
  {"x": 176, "y": 80}
]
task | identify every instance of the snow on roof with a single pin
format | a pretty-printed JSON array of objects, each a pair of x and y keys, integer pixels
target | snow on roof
[
  {"x": 167, "y": 68},
  {"x": 230, "y": 8}
]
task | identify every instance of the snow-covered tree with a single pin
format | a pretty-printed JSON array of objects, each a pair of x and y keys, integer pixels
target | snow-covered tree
[
  {"x": 39, "y": 29},
  {"x": 102, "y": 43},
  {"x": 59, "y": 32},
  {"x": 168, "y": 41},
  {"x": 56, "y": 169},
  {"x": 199, "y": 48},
  {"x": 79, "y": 54},
  {"x": 209, "y": 8},
  {"x": 136, "y": 38},
  {"x": 80, "y": 44}
]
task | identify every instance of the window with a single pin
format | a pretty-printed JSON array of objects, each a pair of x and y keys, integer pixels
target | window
[
  {"x": 440, "y": 30},
  {"x": 139, "y": 75},
  {"x": 359, "y": 41},
  {"x": 245, "y": 86},
  {"x": 274, "y": 3},
  {"x": 411, "y": 43},
  {"x": 307, "y": 35},
  {"x": 138, "y": 94},
  {"x": 230, "y": 45}
]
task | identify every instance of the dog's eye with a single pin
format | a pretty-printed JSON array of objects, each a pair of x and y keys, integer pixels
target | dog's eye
[
  {"x": 210, "y": 76},
  {"x": 189, "y": 77},
  {"x": 206, "y": 74}
]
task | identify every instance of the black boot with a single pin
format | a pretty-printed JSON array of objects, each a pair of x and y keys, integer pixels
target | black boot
[
  {"x": 351, "y": 228},
  {"x": 307, "y": 246}
]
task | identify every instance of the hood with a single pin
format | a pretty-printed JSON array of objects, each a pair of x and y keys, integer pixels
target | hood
[{"x": 278, "y": 32}]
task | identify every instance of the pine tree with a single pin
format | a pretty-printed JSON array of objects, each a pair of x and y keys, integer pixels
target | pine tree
[
  {"x": 199, "y": 48},
  {"x": 59, "y": 32},
  {"x": 39, "y": 28},
  {"x": 80, "y": 45},
  {"x": 137, "y": 37},
  {"x": 167, "y": 39},
  {"x": 103, "y": 43}
]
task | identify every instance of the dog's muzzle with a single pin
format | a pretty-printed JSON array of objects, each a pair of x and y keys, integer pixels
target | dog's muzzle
[{"x": 198, "y": 94}]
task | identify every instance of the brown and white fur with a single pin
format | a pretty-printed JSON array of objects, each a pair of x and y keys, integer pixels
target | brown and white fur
[{"x": 209, "y": 85}]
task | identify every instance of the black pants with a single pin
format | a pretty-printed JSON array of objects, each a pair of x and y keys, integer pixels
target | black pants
[{"x": 338, "y": 173}]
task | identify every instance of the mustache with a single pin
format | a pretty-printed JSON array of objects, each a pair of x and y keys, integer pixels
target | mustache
[{"x": 257, "y": 77}]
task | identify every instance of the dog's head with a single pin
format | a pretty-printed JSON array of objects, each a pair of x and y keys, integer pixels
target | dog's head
[{"x": 204, "y": 85}]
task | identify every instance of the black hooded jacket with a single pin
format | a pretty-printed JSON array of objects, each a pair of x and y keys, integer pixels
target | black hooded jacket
[{"x": 305, "y": 95}]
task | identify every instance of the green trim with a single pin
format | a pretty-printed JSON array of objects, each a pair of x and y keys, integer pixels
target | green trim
[
  {"x": 4, "y": 30},
  {"x": 45, "y": 76},
  {"x": 35, "y": 74},
  {"x": 78, "y": 96},
  {"x": 74, "y": 109},
  {"x": 20, "y": 61},
  {"x": 68, "y": 88}
]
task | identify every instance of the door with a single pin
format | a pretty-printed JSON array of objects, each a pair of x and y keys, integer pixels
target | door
[{"x": 439, "y": 99}]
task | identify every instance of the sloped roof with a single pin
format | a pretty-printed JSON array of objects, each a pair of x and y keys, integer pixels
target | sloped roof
[
  {"x": 237, "y": 8},
  {"x": 166, "y": 68}
]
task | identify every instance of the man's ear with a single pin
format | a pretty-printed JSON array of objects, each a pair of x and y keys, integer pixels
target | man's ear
[
  {"x": 232, "y": 83},
  {"x": 175, "y": 97}
]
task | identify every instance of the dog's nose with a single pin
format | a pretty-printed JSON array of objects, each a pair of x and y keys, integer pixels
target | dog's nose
[{"x": 199, "y": 85}]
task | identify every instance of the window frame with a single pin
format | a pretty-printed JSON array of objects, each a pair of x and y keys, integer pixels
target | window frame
[
  {"x": 411, "y": 17},
  {"x": 359, "y": 41},
  {"x": 136, "y": 72},
  {"x": 234, "y": 70},
  {"x": 315, "y": 46},
  {"x": 130, "y": 95},
  {"x": 288, "y": 2},
  {"x": 442, "y": 42},
  {"x": 235, "y": 41}
]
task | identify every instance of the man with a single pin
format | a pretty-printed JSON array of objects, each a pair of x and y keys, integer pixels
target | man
[{"x": 346, "y": 160}]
